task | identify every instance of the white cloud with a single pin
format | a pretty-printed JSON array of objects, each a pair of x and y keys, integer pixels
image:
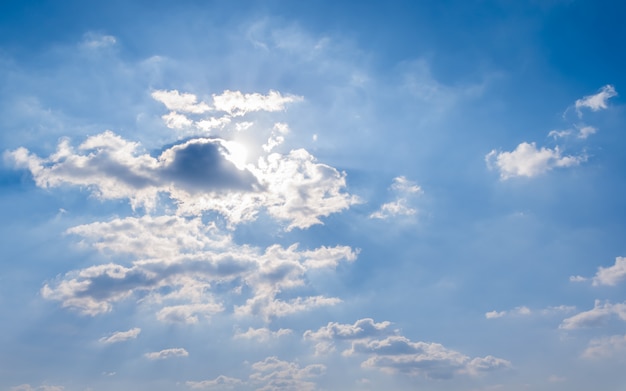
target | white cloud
[
  {"x": 605, "y": 347},
  {"x": 559, "y": 133},
  {"x": 199, "y": 174},
  {"x": 611, "y": 275},
  {"x": 577, "y": 278},
  {"x": 121, "y": 336},
  {"x": 174, "y": 120},
  {"x": 586, "y": 131},
  {"x": 404, "y": 190},
  {"x": 273, "y": 374},
  {"x": 600, "y": 314},
  {"x": 188, "y": 313},
  {"x": 397, "y": 354},
  {"x": 392, "y": 353},
  {"x": 525, "y": 311},
  {"x": 526, "y": 160},
  {"x": 598, "y": 101},
  {"x": 190, "y": 260},
  {"x": 495, "y": 314},
  {"x": 182, "y": 102},
  {"x": 219, "y": 383},
  {"x": 236, "y": 103},
  {"x": 93, "y": 40},
  {"x": 167, "y": 353},
  {"x": 262, "y": 334}
]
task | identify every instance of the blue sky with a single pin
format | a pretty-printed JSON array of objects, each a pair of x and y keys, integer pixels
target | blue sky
[{"x": 276, "y": 195}]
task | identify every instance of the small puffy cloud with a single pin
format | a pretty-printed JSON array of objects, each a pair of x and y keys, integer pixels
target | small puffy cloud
[
  {"x": 600, "y": 314},
  {"x": 559, "y": 133},
  {"x": 598, "y": 101},
  {"x": 405, "y": 191},
  {"x": 121, "y": 336},
  {"x": 577, "y": 278},
  {"x": 167, "y": 353},
  {"x": 273, "y": 374},
  {"x": 611, "y": 275},
  {"x": 526, "y": 160},
  {"x": 495, "y": 314},
  {"x": 262, "y": 334},
  {"x": 181, "y": 102},
  {"x": 219, "y": 383},
  {"x": 236, "y": 103},
  {"x": 173, "y": 120},
  {"x": 605, "y": 347}
]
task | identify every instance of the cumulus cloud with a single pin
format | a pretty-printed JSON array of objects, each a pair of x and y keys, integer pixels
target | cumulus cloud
[
  {"x": 219, "y": 383},
  {"x": 405, "y": 191},
  {"x": 597, "y": 101},
  {"x": 605, "y": 347},
  {"x": 199, "y": 175},
  {"x": 180, "y": 264},
  {"x": 526, "y": 160},
  {"x": 262, "y": 334},
  {"x": 121, "y": 336},
  {"x": 391, "y": 352},
  {"x": 611, "y": 275},
  {"x": 273, "y": 374},
  {"x": 167, "y": 353},
  {"x": 397, "y": 354},
  {"x": 599, "y": 315}
]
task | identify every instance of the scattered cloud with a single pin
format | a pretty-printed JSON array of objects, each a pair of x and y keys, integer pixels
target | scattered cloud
[
  {"x": 605, "y": 347},
  {"x": 405, "y": 191},
  {"x": 598, "y": 101},
  {"x": 611, "y": 275},
  {"x": 526, "y": 160},
  {"x": 262, "y": 334},
  {"x": 273, "y": 374},
  {"x": 236, "y": 103},
  {"x": 219, "y": 383},
  {"x": 167, "y": 353},
  {"x": 183, "y": 267},
  {"x": 391, "y": 352},
  {"x": 182, "y": 102},
  {"x": 121, "y": 336},
  {"x": 599, "y": 315},
  {"x": 525, "y": 311}
]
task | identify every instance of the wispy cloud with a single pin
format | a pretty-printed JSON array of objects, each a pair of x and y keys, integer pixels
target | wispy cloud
[
  {"x": 121, "y": 336},
  {"x": 167, "y": 353}
]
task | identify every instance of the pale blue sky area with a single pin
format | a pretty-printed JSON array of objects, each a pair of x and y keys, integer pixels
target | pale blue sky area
[{"x": 285, "y": 195}]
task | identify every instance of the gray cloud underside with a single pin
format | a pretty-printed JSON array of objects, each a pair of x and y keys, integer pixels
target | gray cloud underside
[{"x": 182, "y": 280}]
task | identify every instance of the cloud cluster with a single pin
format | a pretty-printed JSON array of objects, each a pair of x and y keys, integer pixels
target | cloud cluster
[
  {"x": 270, "y": 374},
  {"x": 200, "y": 175},
  {"x": 526, "y": 160},
  {"x": 391, "y": 352},
  {"x": 187, "y": 269}
]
